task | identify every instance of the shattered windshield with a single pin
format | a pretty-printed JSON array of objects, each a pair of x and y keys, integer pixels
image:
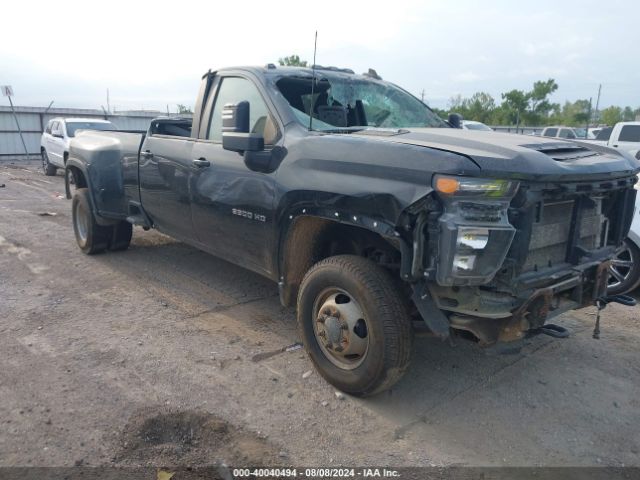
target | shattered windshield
[{"x": 352, "y": 103}]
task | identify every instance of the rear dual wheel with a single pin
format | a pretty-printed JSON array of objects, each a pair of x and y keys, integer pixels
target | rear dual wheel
[{"x": 92, "y": 237}]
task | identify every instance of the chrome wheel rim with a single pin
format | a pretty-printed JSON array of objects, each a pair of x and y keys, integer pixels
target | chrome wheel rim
[
  {"x": 621, "y": 266},
  {"x": 340, "y": 328},
  {"x": 82, "y": 224}
]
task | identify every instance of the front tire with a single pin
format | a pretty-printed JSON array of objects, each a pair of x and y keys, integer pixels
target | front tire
[
  {"x": 91, "y": 237},
  {"x": 355, "y": 324},
  {"x": 48, "y": 169}
]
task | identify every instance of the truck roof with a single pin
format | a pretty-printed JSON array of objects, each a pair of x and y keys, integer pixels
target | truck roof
[
  {"x": 79, "y": 119},
  {"x": 277, "y": 70}
]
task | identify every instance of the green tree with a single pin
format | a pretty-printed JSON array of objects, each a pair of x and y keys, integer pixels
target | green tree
[
  {"x": 628, "y": 115},
  {"x": 574, "y": 113},
  {"x": 183, "y": 109},
  {"x": 515, "y": 103},
  {"x": 292, "y": 61},
  {"x": 480, "y": 107},
  {"x": 611, "y": 115},
  {"x": 539, "y": 105}
]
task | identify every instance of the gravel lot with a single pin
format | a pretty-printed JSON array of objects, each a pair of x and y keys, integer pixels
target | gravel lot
[{"x": 147, "y": 357}]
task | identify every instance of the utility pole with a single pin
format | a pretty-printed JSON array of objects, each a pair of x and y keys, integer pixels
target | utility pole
[
  {"x": 598, "y": 103},
  {"x": 586, "y": 130},
  {"x": 422, "y": 95},
  {"x": 7, "y": 91},
  {"x": 108, "y": 106}
]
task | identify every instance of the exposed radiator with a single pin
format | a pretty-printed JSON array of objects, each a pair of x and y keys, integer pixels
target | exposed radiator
[{"x": 550, "y": 234}]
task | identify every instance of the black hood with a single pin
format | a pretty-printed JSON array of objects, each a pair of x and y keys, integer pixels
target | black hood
[{"x": 519, "y": 156}]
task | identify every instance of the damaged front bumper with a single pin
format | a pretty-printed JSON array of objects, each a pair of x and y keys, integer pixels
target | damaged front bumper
[
  {"x": 559, "y": 252},
  {"x": 580, "y": 287}
]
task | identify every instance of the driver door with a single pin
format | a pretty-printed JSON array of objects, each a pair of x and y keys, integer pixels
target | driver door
[{"x": 232, "y": 206}]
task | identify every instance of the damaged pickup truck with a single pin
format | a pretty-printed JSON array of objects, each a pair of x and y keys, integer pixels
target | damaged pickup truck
[{"x": 368, "y": 210}]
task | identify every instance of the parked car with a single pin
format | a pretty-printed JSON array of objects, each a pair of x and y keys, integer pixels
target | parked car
[
  {"x": 625, "y": 267},
  {"x": 368, "y": 210},
  {"x": 54, "y": 143},
  {"x": 593, "y": 132},
  {"x": 623, "y": 136},
  {"x": 568, "y": 133},
  {"x": 473, "y": 125}
]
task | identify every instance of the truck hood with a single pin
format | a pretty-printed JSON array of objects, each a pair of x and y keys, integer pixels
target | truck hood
[{"x": 518, "y": 156}]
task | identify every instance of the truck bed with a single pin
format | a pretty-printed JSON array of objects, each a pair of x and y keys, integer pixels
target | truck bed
[{"x": 111, "y": 159}]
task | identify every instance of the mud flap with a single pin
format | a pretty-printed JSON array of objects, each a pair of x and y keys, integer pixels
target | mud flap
[{"x": 437, "y": 321}]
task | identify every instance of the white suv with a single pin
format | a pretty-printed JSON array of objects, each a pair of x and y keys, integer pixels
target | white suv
[
  {"x": 568, "y": 133},
  {"x": 54, "y": 144}
]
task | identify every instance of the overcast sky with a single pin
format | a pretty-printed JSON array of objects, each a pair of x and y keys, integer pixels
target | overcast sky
[{"x": 150, "y": 54}]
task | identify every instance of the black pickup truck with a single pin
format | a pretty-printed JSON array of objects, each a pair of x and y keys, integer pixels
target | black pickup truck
[{"x": 368, "y": 210}]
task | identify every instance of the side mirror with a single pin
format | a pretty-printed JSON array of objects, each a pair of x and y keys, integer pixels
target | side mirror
[
  {"x": 455, "y": 119},
  {"x": 235, "y": 129}
]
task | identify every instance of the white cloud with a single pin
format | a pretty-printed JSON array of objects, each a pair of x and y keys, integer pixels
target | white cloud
[
  {"x": 155, "y": 52},
  {"x": 465, "y": 77}
]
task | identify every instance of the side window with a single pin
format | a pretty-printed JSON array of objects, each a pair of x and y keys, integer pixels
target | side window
[
  {"x": 566, "y": 133},
  {"x": 604, "y": 134},
  {"x": 48, "y": 127},
  {"x": 550, "y": 132},
  {"x": 55, "y": 127},
  {"x": 630, "y": 133},
  {"x": 173, "y": 128},
  {"x": 234, "y": 90}
]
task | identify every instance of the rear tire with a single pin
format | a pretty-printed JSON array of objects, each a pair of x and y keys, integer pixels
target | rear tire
[
  {"x": 355, "y": 324},
  {"x": 121, "y": 237},
  {"x": 48, "y": 169},
  {"x": 91, "y": 237}
]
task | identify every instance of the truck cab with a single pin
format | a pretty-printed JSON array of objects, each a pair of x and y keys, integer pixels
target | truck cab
[{"x": 624, "y": 136}]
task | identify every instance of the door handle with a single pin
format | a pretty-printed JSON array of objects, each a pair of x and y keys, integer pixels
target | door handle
[
  {"x": 146, "y": 154},
  {"x": 201, "y": 162}
]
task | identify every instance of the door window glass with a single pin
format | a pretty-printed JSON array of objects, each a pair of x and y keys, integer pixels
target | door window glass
[
  {"x": 550, "y": 132},
  {"x": 235, "y": 90},
  {"x": 604, "y": 134},
  {"x": 630, "y": 133}
]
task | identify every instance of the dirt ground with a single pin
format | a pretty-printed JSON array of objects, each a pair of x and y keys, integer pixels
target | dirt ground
[{"x": 147, "y": 357}]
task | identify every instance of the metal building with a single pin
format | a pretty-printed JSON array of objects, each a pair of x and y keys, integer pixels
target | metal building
[{"x": 34, "y": 119}]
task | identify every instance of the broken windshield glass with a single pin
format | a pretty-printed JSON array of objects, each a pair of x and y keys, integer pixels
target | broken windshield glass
[{"x": 342, "y": 102}]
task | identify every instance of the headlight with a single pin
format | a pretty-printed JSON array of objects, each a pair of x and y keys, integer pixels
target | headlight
[
  {"x": 475, "y": 233},
  {"x": 474, "y": 187}
]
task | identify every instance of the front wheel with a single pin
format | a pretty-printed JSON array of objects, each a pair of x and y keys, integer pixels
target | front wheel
[
  {"x": 624, "y": 273},
  {"x": 355, "y": 324},
  {"x": 48, "y": 169}
]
